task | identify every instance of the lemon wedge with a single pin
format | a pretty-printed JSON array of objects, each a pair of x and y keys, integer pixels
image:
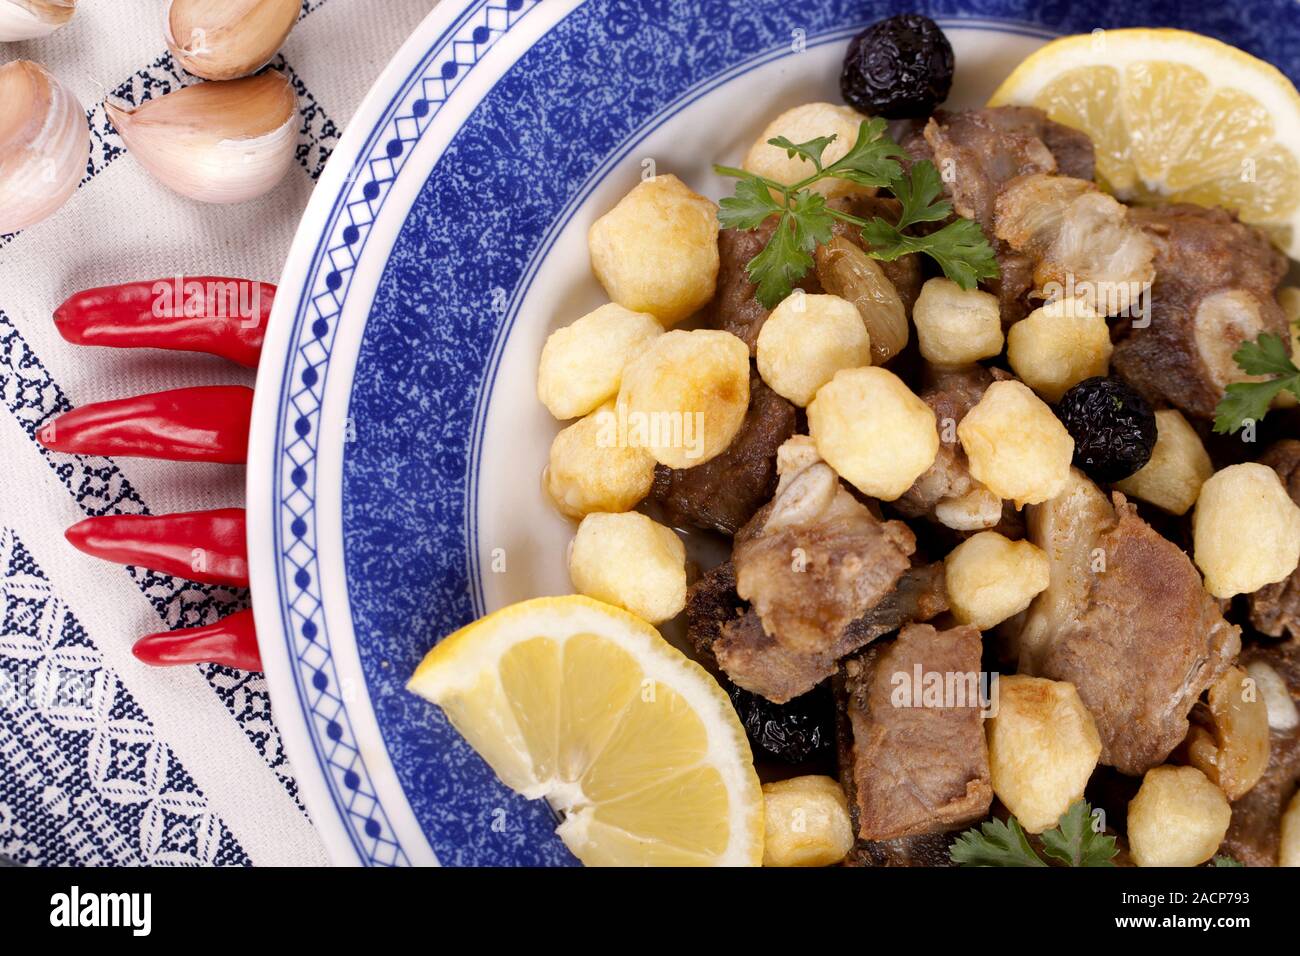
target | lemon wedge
[
  {"x": 1177, "y": 117},
  {"x": 586, "y": 705}
]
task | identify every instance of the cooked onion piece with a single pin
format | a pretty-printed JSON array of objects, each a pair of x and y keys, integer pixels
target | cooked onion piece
[
  {"x": 846, "y": 271},
  {"x": 1229, "y": 740}
]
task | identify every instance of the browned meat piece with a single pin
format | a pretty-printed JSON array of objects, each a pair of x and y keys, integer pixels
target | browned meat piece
[
  {"x": 1216, "y": 281},
  {"x": 1253, "y": 835},
  {"x": 1275, "y": 608},
  {"x": 914, "y": 769},
  {"x": 724, "y": 492},
  {"x": 930, "y": 849},
  {"x": 1126, "y": 619},
  {"x": 734, "y": 308},
  {"x": 723, "y": 629},
  {"x": 815, "y": 558},
  {"x": 980, "y": 151},
  {"x": 951, "y": 393},
  {"x": 1081, "y": 241}
]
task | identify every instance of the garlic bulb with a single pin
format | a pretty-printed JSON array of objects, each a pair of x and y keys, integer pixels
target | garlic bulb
[
  {"x": 44, "y": 143},
  {"x": 29, "y": 19},
  {"x": 227, "y": 39},
  {"x": 216, "y": 142}
]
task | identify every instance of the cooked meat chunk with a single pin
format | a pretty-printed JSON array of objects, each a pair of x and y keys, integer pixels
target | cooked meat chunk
[
  {"x": 815, "y": 558},
  {"x": 930, "y": 849},
  {"x": 1081, "y": 241},
  {"x": 724, "y": 630},
  {"x": 1253, "y": 834},
  {"x": 736, "y": 310},
  {"x": 724, "y": 492},
  {"x": 951, "y": 392},
  {"x": 980, "y": 152},
  {"x": 1126, "y": 619},
  {"x": 1216, "y": 281},
  {"x": 916, "y": 766},
  {"x": 1275, "y": 608}
]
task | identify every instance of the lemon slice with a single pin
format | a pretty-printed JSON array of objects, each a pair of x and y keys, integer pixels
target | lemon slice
[
  {"x": 586, "y": 705},
  {"x": 1178, "y": 117}
]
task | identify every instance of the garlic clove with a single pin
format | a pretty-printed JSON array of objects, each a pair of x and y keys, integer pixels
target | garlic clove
[
  {"x": 29, "y": 19},
  {"x": 44, "y": 144},
  {"x": 227, "y": 39},
  {"x": 220, "y": 142}
]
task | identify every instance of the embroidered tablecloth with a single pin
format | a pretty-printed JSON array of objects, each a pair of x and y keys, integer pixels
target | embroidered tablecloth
[{"x": 104, "y": 761}]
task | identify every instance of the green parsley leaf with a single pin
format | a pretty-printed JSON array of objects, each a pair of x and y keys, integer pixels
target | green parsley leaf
[
  {"x": 995, "y": 844},
  {"x": 811, "y": 151},
  {"x": 1222, "y": 860},
  {"x": 959, "y": 247},
  {"x": 1075, "y": 841},
  {"x": 752, "y": 203},
  {"x": 871, "y": 160},
  {"x": 781, "y": 264},
  {"x": 917, "y": 193},
  {"x": 1250, "y": 401},
  {"x": 805, "y": 220}
]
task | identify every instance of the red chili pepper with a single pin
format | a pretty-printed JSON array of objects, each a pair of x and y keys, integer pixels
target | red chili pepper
[
  {"x": 207, "y": 546},
  {"x": 208, "y": 423},
  {"x": 231, "y": 641},
  {"x": 225, "y": 317}
]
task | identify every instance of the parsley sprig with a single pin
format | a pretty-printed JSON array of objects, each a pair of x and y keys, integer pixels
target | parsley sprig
[
  {"x": 1249, "y": 401},
  {"x": 1073, "y": 842},
  {"x": 805, "y": 220}
]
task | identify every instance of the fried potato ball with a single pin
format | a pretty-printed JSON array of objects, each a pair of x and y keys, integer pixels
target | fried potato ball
[
  {"x": 1172, "y": 478},
  {"x": 806, "y": 340},
  {"x": 807, "y": 822},
  {"x": 1178, "y": 818},
  {"x": 799, "y": 125},
  {"x": 1059, "y": 345},
  {"x": 1043, "y": 747},
  {"x": 582, "y": 364},
  {"x": 991, "y": 578},
  {"x": 657, "y": 250},
  {"x": 590, "y": 470},
  {"x": 1016, "y": 446},
  {"x": 685, "y": 396},
  {"x": 631, "y": 561},
  {"x": 956, "y": 326},
  {"x": 873, "y": 431},
  {"x": 1245, "y": 530}
]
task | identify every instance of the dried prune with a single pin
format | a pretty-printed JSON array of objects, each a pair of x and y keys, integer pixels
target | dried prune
[
  {"x": 795, "y": 731},
  {"x": 898, "y": 68},
  {"x": 1113, "y": 427}
]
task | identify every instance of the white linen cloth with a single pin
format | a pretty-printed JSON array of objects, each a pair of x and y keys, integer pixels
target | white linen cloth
[{"x": 103, "y": 760}]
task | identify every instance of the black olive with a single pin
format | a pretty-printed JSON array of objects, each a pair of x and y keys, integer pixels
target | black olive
[
  {"x": 899, "y": 68},
  {"x": 1113, "y": 427},
  {"x": 794, "y": 731}
]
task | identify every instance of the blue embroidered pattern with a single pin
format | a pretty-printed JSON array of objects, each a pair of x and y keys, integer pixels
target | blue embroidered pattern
[
  {"x": 574, "y": 104},
  {"x": 86, "y": 782}
]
